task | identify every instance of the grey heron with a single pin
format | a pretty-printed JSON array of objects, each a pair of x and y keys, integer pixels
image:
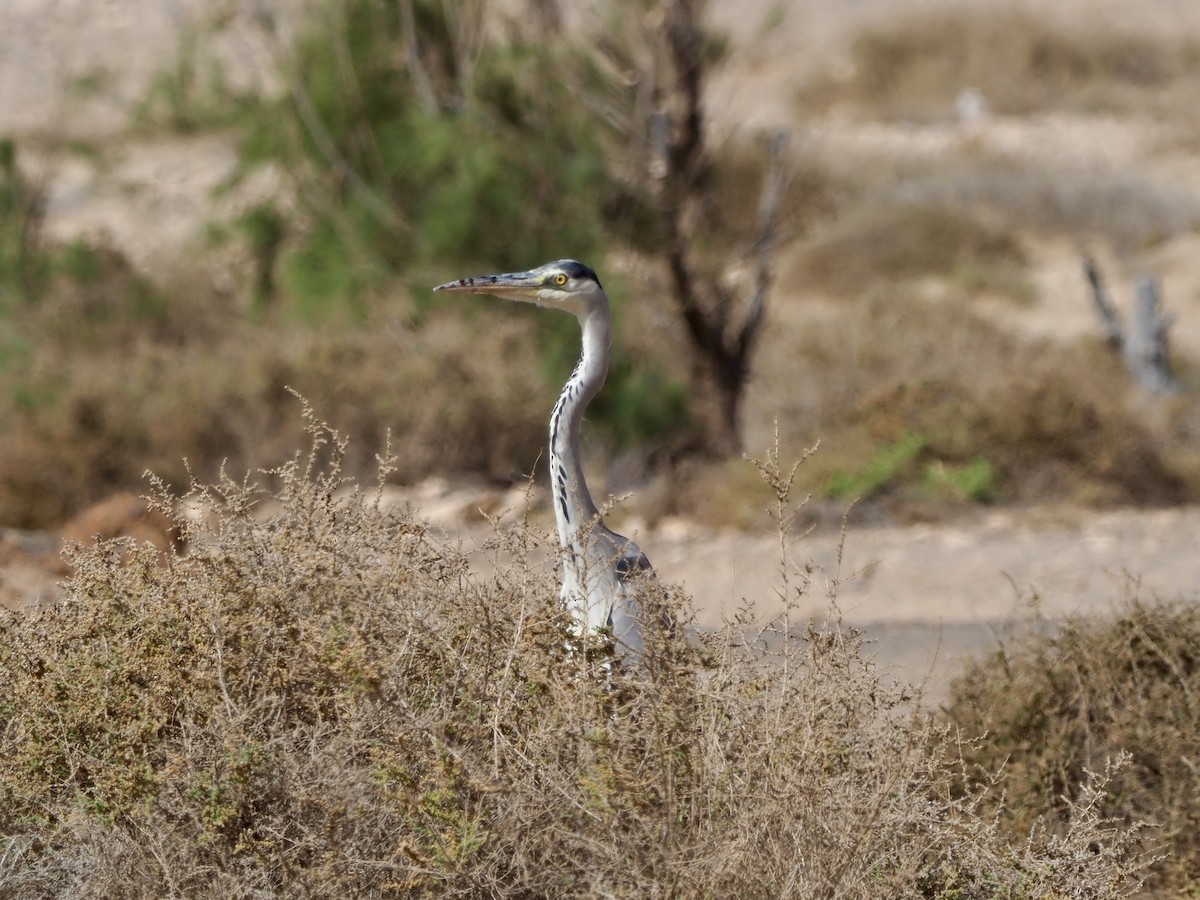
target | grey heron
[{"x": 600, "y": 568}]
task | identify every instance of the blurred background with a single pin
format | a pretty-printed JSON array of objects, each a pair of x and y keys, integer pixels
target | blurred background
[{"x": 862, "y": 223}]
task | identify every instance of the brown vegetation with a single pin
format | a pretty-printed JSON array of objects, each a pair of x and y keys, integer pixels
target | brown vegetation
[
  {"x": 1053, "y": 422},
  {"x": 92, "y": 418},
  {"x": 123, "y": 515},
  {"x": 917, "y": 65},
  {"x": 110, "y": 373},
  {"x": 890, "y": 243},
  {"x": 1059, "y": 702},
  {"x": 327, "y": 703}
]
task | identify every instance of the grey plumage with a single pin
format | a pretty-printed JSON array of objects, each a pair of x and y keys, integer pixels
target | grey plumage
[{"x": 602, "y": 570}]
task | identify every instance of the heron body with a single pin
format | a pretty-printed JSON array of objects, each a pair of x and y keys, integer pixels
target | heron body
[{"x": 600, "y": 568}]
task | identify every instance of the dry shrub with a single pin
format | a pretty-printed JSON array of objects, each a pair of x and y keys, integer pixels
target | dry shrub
[
  {"x": 891, "y": 241},
  {"x": 1052, "y": 705},
  {"x": 916, "y": 65},
  {"x": 964, "y": 219},
  {"x": 1057, "y": 422},
  {"x": 1053, "y": 431},
  {"x": 328, "y": 703},
  {"x": 84, "y": 421},
  {"x": 1125, "y": 209}
]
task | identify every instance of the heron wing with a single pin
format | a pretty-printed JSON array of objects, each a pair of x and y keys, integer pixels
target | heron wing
[{"x": 632, "y": 562}]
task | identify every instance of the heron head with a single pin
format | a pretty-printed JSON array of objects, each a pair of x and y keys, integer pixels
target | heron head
[{"x": 563, "y": 284}]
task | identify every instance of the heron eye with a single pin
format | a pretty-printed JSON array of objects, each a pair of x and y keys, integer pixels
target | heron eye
[{"x": 560, "y": 279}]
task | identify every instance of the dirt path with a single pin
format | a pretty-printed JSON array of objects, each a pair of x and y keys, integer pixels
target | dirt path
[{"x": 928, "y": 595}]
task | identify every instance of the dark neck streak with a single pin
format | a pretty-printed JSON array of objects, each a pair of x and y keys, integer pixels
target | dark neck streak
[{"x": 573, "y": 505}]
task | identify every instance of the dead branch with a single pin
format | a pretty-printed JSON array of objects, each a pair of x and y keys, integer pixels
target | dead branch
[
  {"x": 1109, "y": 319},
  {"x": 1143, "y": 345},
  {"x": 1146, "y": 346},
  {"x": 721, "y": 330}
]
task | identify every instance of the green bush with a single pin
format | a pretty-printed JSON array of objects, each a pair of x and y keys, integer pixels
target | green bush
[
  {"x": 23, "y": 264},
  {"x": 405, "y": 158},
  {"x": 885, "y": 467},
  {"x": 974, "y": 481}
]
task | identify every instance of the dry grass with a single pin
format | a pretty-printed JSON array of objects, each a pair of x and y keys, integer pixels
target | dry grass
[
  {"x": 916, "y": 65},
  {"x": 88, "y": 413},
  {"x": 328, "y": 703},
  {"x": 1055, "y": 422},
  {"x": 1124, "y": 209},
  {"x": 966, "y": 215},
  {"x": 1056, "y": 703},
  {"x": 884, "y": 242}
]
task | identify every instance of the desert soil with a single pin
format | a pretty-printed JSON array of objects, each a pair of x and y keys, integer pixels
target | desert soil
[
  {"x": 926, "y": 596},
  {"x": 926, "y": 593}
]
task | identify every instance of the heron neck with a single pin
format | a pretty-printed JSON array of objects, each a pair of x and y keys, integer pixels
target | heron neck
[{"x": 573, "y": 505}]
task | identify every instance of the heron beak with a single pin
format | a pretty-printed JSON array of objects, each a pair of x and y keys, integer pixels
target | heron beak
[{"x": 518, "y": 285}]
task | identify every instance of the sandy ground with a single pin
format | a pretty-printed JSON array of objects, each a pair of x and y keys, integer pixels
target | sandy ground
[
  {"x": 927, "y": 594},
  {"x": 930, "y": 594}
]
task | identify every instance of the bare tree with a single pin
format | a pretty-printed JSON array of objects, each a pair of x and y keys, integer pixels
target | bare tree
[
  {"x": 722, "y": 329},
  {"x": 1143, "y": 345},
  {"x": 656, "y": 55}
]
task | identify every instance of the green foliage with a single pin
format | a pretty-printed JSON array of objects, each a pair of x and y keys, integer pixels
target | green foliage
[
  {"x": 190, "y": 96},
  {"x": 404, "y": 166},
  {"x": 893, "y": 466},
  {"x": 264, "y": 228},
  {"x": 407, "y": 157},
  {"x": 23, "y": 264},
  {"x": 974, "y": 481},
  {"x": 640, "y": 404},
  {"x": 384, "y": 188},
  {"x": 884, "y": 468}
]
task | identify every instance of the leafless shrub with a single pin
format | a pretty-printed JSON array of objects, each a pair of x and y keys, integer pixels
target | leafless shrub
[
  {"x": 89, "y": 420},
  {"x": 916, "y": 65},
  {"x": 329, "y": 703},
  {"x": 892, "y": 366},
  {"x": 897, "y": 241},
  {"x": 1053, "y": 704}
]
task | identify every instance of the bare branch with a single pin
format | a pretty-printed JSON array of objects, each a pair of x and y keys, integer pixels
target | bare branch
[
  {"x": 764, "y": 245},
  {"x": 1109, "y": 319},
  {"x": 1146, "y": 347},
  {"x": 1143, "y": 346}
]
